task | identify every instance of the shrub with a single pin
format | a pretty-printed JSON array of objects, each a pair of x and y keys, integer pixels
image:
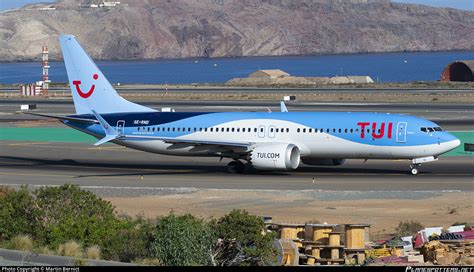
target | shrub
[
  {"x": 69, "y": 213},
  {"x": 22, "y": 242},
  {"x": 131, "y": 240},
  {"x": 407, "y": 228},
  {"x": 17, "y": 213},
  {"x": 93, "y": 252},
  {"x": 244, "y": 239},
  {"x": 183, "y": 241},
  {"x": 70, "y": 249}
]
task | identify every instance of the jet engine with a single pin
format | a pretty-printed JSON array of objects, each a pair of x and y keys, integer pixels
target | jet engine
[
  {"x": 323, "y": 162},
  {"x": 275, "y": 157}
]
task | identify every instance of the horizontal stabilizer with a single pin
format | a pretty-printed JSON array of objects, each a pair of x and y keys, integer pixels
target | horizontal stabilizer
[{"x": 66, "y": 118}]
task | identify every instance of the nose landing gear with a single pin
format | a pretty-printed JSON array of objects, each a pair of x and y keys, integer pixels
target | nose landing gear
[
  {"x": 414, "y": 169},
  {"x": 418, "y": 161}
]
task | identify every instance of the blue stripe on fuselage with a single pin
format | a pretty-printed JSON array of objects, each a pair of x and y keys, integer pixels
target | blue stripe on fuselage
[{"x": 314, "y": 120}]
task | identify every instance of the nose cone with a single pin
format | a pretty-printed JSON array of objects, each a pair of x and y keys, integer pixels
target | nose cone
[{"x": 449, "y": 142}]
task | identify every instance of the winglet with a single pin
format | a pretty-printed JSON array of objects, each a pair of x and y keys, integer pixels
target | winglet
[
  {"x": 283, "y": 107},
  {"x": 110, "y": 132}
]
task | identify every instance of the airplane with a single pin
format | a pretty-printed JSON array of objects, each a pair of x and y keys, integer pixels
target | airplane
[{"x": 268, "y": 141}]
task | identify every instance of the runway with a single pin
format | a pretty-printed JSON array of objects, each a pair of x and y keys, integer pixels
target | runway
[{"x": 117, "y": 168}]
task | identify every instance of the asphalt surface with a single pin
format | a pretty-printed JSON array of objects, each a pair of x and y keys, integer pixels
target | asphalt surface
[
  {"x": 115, "y": 170},
  {"x": 22, "y": 258},
  {"x": 124, "y": 171}
]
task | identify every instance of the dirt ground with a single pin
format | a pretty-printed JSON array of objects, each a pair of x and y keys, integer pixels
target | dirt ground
[{"x": 384, "y": 214}]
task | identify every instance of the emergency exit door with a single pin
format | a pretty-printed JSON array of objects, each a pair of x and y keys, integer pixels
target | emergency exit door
[{"x": 402, "y": 132}]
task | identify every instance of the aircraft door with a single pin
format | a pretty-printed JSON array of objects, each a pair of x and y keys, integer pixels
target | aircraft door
[
  {"x": 261, "y": 131},
  {"x": 401, "y": 132},
  {"x": 271, "y": 131},
  {"x": 121, "y": 127}
]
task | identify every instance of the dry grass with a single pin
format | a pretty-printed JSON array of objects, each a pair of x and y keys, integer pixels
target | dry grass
[
  {"x": 148, "y": 261},
  {"x": 45, "y": 250},
  {"x": 4, "y": 190},
  {"x": 71, "y": 249},
  {"x": 93, "y": 252},
  {"x": 22, "y": 242}
]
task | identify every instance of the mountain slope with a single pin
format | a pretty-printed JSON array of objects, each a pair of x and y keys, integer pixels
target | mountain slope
[{"x": 139, "y": 29}]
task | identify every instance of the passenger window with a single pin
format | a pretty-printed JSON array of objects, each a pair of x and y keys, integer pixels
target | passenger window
[
  {"x": 352, "y": 130},
  {"x": 228, "y": 129},
  {"x": 212, "y": 129},
  {"x": 261, "y": 130},
  {"x": 298, "y": 130},
  {"x": 345, "y": 130},
  {"x": 243, "y": 129},
  {"x": 205, "y": 129},
  {"x": 238, "y": 129},
  {"x": 276, "y": 130},
  {"x": 304, "y": 130},
  {"x": 310, "y": 130}
]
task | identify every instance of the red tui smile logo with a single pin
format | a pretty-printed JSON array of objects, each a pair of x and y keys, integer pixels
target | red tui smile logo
[{"x": 80, "y": 92}]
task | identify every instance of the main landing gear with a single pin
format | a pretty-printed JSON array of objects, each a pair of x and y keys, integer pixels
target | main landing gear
[{"x": 235, "y": 167}]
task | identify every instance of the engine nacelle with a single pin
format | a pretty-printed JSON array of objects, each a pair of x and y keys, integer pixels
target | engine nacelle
[
  {"x": 275, "y": 157},
  {"x": 323, "y": 162}
]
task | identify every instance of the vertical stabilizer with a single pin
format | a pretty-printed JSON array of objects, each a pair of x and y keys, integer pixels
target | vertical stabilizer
[{"x": 90, "y": 89}]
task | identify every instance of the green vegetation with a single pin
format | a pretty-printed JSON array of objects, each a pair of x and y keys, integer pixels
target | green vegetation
[
  {"x": 407, "y": 228},
  {"x": 183, "y": 240},
  {"x": 69, "y": 221}
]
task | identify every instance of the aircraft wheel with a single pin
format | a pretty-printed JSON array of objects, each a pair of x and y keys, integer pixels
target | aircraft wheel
[
  {"x": 414, "y": 171},
  {"x": 235, "y": 167}
]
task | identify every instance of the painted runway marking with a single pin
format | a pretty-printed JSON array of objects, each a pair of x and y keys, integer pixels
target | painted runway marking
[
  {"x": 196, "y": 189},
  {"x": 150, "y": 177}
]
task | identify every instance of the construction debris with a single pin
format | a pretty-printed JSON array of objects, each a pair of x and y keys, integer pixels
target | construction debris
[
  {"x": 336, "y": 244},
  {"x": 445, "y": 252}
]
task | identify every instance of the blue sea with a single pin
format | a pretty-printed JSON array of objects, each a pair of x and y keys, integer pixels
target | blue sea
[{"x": 382, "y": 67}]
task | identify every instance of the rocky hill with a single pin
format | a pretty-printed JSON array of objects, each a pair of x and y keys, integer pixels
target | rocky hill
[{"x": 147, "y": 29}]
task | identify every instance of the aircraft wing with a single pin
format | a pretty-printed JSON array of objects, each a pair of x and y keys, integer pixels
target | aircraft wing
[
  {"x": 230, "y": 145},
  {"x": 66, "y": 118}
]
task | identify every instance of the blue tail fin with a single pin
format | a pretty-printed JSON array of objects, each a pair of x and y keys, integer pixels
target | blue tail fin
[{"x": 90, "y": 89}]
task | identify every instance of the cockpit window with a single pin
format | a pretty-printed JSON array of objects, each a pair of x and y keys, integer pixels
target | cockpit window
[{"x": 430, "y": 129}]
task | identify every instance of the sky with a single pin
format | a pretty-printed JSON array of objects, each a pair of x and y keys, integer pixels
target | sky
[{"x": 458, "y": 4}]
